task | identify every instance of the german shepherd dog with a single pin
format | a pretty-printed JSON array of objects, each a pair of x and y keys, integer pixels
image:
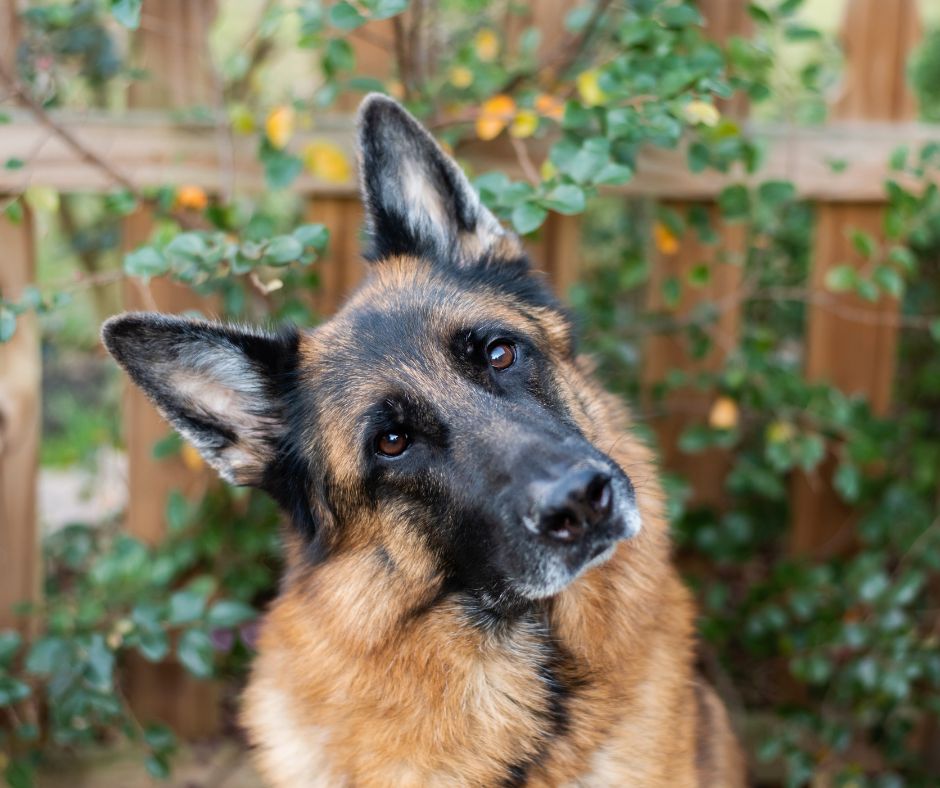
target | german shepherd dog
[{"x": 478, "y": 588}]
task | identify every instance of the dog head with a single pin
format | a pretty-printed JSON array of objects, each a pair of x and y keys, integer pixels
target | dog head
[{"x": 440, "y": 419}]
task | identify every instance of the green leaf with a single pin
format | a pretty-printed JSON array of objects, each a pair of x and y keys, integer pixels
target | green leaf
[
  {"x": 345, "y": 16},
  {"x": 776, "y": 193},
  {"x": 195, "y": 652},
  {"x": 157, "y": 766},
  {"x": 186, "y": 606},
  {"x": 228, "y": 613},
  {"x": 613, "y": 174},
  {"x": 127, "y": 12},
  {"x": 527, "y": 217},
  {"x": 567, "y": 199},
  {"x": 864, "y": 243},
  {"x": 734, "y": 202},
  {"x": 159, "y": 738},
  {"x": 935, "y": 329},
  {"x": 100, "y": 669},
  {"x": 889, "y": 280},
  {"x": 672, "y": 291},
  {"x": 283, "y": 249},
  {"x": 841, "y": 278},
  {"x": 14, "y": 163},
  {"x": 700, "y": 275},
  {"x": 168, "y": 446},
  {"x": 280, "y": 167},
  {"x": 12, "y": 691},
  {"x": 46, "y": 655},
  {"x": 178, "y": 512},
  {"x": 7, "y": 323},
  {"x": 19, "y": 774},
  {"x": 681, "y": 15},
  {"x": 339, "y": 56},
  {"x": 759, "y": 15},
  {"x": 848, "y": 481},
  {"x": 799, "y": 32},
  {"x": 384, "y": 9},
  {"x": 902, "y": 256},
  {"x": 10, "y": 643},
  {"x": 699, "y": 157},
  {"x": 315, "y": 235},
  {"x": 188, "y": 246},
  {"x": 898, "y": 160},
  {"x": 145, "y": 263}
]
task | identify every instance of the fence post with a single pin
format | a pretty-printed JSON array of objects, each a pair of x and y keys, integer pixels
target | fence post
[
  {"x": 705, "y": 471},
  {"x": 557, "y": 246},
  {"x": 878, "y": 35},
  {"x": 20, "y": 398},
  {"x": 172, "y": 45}
]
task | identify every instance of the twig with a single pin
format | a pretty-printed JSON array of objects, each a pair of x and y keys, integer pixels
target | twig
[
  {"x": 401, "y": 56},
  {"x": 525, "y": 161},
  {"x": 567, "y": 52},
  {"x": 83, "y": 152}
]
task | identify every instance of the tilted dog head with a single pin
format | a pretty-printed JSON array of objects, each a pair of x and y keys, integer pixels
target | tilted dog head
[{"x": 438, "y": 413}]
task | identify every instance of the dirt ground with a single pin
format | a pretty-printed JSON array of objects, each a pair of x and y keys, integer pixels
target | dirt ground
[{"x": 219, "y": 764}]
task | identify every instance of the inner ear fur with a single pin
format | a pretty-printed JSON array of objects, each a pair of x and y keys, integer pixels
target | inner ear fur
[
  {"x": 418, "y": 201},
  {"x": 223, "y": 388}
]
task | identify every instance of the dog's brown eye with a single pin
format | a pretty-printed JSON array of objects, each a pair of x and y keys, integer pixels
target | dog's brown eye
[
  {"x": 392, "y": 443},
  {"x": 501, "y": 354}
]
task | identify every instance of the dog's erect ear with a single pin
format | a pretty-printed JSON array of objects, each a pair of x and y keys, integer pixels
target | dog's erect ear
[
  {"x": 417, "y": 199},
  {"x": 223, "y": 388}
]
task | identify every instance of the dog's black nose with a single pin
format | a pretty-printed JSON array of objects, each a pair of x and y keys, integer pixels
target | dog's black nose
[{"x": 573, "y": 504}]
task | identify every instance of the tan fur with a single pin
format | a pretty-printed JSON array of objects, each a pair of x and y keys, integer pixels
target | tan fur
[{"x": 351, "y": 688}]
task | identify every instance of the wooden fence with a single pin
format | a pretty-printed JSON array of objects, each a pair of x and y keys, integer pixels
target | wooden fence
[{"x": 872, "y": 115}]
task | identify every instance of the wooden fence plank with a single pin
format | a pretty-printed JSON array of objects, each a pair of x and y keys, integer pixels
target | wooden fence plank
[
  {"x": 878, "y": 36},
  {"x": 705, "y": 471},
  {"x": 155, "y": 151},
  {"x": 342, "y": 266},
  {"x": 172, "y": 45},
  {"x": 20, "y": 398}
]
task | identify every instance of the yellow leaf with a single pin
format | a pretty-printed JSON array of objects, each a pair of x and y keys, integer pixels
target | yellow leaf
[
  {"x": 494, "y": 116},
  {"x": 191, "y": 458},
  {"x": 549, "y": 106},
  {"x": 724, "y": 414},
  {"x": 548, "y": 170},
  {"x": 279, "y": 126},
  {"x": 191, "y": 198},
  {"x": 702, "y": 112},
  {"x": 524, "y": 124},
  {"x": 42, "y": 198},
  {"x": 327, "y": 162},
  {"x": 665, "y": 240},
  {"x": 779, "y": 432},
  {"x": 460, "y": 77},
  {"x": 242, "y": 119},
  {"x": 589, "y": 88},
  {"x": 486, "y": 45}
]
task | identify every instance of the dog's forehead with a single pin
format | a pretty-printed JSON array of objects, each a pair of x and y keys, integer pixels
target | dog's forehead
[{"x": 407, "y": 312}]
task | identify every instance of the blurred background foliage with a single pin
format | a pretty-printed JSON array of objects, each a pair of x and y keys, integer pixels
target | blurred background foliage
[{"x": 831, "y": 666}]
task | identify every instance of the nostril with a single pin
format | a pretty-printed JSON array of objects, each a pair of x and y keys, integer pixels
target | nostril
[
  {"x": 599, "y": 494},
  {"x": 563, "y": 527},
  {"x": 572, "y": 505}
]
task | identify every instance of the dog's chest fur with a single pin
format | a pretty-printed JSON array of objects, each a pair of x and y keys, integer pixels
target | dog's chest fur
[{"x": 441, "y": 701}]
